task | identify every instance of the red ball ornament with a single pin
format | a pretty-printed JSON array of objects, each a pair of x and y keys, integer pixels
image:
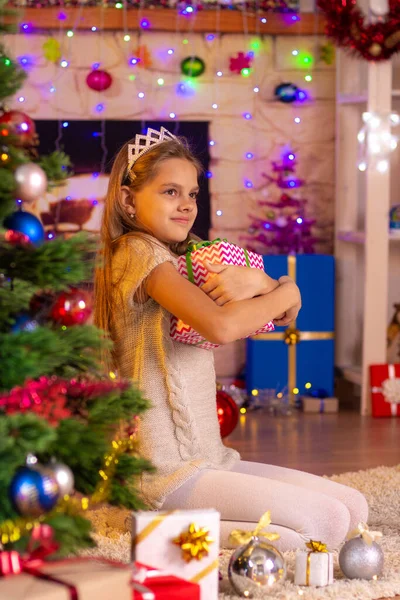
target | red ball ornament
[
  {"x": 98, "y": 80},
  {"x": 228, "y": 413},
  {"x": 21, "y": 126},
  {"x": 72, "y": 308}
]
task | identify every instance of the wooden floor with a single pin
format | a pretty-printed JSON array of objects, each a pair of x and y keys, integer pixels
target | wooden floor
[{"x": 320, "y": 444}]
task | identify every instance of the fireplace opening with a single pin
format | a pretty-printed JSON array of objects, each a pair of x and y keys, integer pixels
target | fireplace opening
[{"x": 92, "y": 146}]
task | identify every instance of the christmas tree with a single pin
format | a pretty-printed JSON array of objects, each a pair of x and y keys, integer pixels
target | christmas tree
[
  {"x": 282, "y": 227},
  {"x": 67, "y": 432}
]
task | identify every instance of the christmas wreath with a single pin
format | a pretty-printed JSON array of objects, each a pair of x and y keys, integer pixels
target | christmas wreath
[{"x": 348, "y": 27}]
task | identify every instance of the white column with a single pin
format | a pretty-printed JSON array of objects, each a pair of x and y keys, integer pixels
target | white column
[{"x": 377, "y": 203}]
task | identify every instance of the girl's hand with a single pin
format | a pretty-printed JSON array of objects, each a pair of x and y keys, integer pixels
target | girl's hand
[
  {"x": 290, "y": 315},
  {"x": 232, "y": 283}
]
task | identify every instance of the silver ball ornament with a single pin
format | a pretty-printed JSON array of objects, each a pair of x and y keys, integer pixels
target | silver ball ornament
[
  {"x": 64, "y": 477},
  {"x": 256, "y": 565},
  {"x": 358, "y": 560},
  {"x": 31, "y": 182}
]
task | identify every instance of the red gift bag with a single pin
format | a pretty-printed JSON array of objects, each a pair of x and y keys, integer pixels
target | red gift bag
[{"x": 385, "y": 390}]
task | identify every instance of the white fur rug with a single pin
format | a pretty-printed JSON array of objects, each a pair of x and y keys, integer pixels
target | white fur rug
[{"x": 381, "y": 486}]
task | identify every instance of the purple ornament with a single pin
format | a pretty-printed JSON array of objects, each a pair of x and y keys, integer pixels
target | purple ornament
[{"x": 98, "y": 80}]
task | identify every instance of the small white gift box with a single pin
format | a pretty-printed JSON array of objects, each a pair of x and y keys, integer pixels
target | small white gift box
[
  {"x": 183, "y": 543},
  {"x": 314, "y": 568}
]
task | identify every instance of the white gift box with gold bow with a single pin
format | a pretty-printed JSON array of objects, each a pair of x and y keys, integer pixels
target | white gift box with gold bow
[
  {"x": 183, "y": 543},
  {"x": 314, "y": 567}
]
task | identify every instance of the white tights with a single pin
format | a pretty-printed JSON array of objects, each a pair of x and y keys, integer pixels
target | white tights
[{"x": 302, "y": 505}]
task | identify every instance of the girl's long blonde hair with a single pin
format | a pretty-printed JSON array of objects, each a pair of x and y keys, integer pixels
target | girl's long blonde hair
[{"x": 116, "y": 223}]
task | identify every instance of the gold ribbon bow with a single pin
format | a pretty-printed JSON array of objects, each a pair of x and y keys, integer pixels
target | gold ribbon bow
[
  {"x": 367, "y": 535},
  {"x": 194, "y": 543},
  {"x": 241, "y": 536},
  {"x": 316, "y": 546},
  {"x": 291, "y": 336}
]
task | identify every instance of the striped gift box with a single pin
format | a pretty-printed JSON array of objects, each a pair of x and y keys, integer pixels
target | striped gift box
[{"x": 191, "y": 266}]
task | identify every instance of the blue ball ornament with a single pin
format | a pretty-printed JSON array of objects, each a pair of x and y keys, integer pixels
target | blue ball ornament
[
  {"x": 33, "y": 491},
  {"x": 286, "y": 92},
  {"x": 26, "y": 223},
  {"x": 24, "y": 322}
]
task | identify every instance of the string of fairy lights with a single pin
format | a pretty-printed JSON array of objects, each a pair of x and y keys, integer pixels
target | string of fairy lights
[
  {"x": 177, "y": 84},
  {"x": 146, "y": 81}
]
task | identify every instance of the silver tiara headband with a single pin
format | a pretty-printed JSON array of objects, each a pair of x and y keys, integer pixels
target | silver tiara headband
[{"x": 143, "y": 143}]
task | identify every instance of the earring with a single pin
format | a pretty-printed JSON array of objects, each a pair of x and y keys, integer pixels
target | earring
[{"x": 132, "y": 215}]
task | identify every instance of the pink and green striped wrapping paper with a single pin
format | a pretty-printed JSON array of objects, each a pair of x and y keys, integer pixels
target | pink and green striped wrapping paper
[{"x": 218, "y": 252}]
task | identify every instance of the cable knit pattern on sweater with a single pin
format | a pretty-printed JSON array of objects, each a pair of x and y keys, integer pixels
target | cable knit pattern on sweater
[
  {"x": 184, "y": 422},
  {"x": 180, "y": 432}
]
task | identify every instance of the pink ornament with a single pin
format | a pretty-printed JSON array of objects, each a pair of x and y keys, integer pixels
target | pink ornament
[{"x": 99, "y": 81}]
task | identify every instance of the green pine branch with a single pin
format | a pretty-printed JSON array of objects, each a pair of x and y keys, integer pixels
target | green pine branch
[
  {"x": 11, "y": 75},
  {"x": 72, "y": 532},
  {"x": 55, "y": 264},
  {"x": 123, "y": 490},
  {"x": 13, "y": 300},
  {"x": 116, "y": 407},
  {"x": 44, "y": 351},
  {"x": 7, "y": 180},
  {"x": 57, "y": 166},
  {"x": 16, "y": 157}
]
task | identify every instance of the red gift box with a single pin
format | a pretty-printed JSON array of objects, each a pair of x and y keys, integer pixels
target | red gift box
[
  {"x": 385, "y": 390},
  {"x": 152, "y": 584}
]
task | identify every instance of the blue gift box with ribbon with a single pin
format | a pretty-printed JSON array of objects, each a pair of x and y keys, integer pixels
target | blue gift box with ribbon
[{"x": 299, "y": 358}]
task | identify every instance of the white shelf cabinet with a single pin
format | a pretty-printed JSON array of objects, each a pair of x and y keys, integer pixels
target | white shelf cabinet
[{"x": 368, "y": 266}]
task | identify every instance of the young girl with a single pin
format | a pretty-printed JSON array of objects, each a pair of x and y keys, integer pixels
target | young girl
[{"x": 149, "y": 212}]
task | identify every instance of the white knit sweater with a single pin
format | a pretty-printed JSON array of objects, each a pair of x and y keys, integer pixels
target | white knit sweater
[{"x": 180, "y": 433}]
